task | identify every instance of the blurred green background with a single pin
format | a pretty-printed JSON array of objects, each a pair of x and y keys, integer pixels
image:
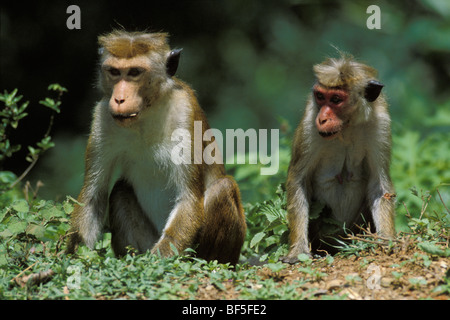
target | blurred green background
[{"x": 250, "y": 63}]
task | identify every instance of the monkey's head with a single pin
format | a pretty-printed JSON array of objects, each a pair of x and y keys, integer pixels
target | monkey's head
[
  {"x": 136, "y": 70},
  {"x": 343, "y": 94}
]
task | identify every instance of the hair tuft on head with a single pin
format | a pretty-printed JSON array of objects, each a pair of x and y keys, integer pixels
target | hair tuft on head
[
  {"x": 124, "y": 44},
  {"x": 342, "y": 72}
]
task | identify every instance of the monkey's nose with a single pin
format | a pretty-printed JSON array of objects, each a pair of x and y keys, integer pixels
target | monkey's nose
[
  {"x": 322, "y": 121},
  {"x": 119, "y": 101}
]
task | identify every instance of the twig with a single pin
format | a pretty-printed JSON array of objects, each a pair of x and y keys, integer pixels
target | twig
[
  {"x": 35, "y": 278},
  {"x": 362, "y": 237},
  {"x": 407, "y": 212},
  {"x": 14, "y": 279},
  {"x": 424, "y": 205},
  {"x": 442, "y": 200},
  {"x": 24, "y": 174}
]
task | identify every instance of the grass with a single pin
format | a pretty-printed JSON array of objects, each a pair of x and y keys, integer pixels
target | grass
[{"x": 34, "y": 266}]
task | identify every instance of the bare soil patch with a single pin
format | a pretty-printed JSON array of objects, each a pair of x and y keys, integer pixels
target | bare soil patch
[{"x": 377, "y": 275}]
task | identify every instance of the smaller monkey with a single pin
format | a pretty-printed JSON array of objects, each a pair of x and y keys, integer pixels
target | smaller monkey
[
  {"x": 156, "y": 203},
  {"x": 341, "y": 153}
]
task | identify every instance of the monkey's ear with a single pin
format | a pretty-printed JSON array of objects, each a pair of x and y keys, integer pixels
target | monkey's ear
[
  {"x": 373, "y": 90},
  {"x": 172, "y": 62}
]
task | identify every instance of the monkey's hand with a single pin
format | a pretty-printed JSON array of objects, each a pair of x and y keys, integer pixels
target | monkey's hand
[
  {"x": 292, "y": 259},
  {"x": 292, "y": 256},
  {"x": 165, "y": 246},
  {"x": 289, "y": 259},
  {"x": 73, "y": 242}
]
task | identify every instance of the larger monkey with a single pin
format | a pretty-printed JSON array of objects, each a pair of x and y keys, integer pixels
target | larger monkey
[
  {"x": 341, "y": 152},
  {"x": 155, "y": 202}
]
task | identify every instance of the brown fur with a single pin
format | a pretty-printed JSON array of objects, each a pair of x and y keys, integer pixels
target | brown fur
[
  {"x": 343, "y": 72},
  {"x": 156, "y": 203},
  {"x": 122, "y": 44},
  {"x": 347, "y": 171}
]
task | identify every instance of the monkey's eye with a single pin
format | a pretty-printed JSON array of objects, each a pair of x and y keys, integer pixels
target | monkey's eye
[
  {"x": 114, "y": 72},
  {"x": 134, "y": 72},
  {"x": 319, "y": 96},
  {"x": 336, "y": 99}
]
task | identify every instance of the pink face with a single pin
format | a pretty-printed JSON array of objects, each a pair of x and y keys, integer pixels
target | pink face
[{"x": 331, "y": 103}]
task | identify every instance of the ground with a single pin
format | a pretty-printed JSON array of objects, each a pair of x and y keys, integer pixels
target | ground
[{"x": 375, "y": 275}]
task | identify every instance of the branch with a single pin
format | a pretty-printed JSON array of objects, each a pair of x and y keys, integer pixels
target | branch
[{"x": 35, "y": 278}]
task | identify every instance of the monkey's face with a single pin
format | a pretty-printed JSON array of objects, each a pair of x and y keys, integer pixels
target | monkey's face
[
  {"x": 331, "y": 102},
  {"x": 135, "y": 84},
  {"x": 123, "y": 81}
]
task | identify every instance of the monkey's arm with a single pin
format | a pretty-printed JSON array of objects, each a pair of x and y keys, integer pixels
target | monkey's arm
[
  {"x": 182, "y": 227},
  {"x": 88, "y": 219},
  {"x": 298, "y": 217},
  {"x": 298, "y": 201},
  {"x": 380, "y": 187}
]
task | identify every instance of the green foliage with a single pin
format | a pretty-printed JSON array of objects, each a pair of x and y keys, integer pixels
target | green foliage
[
  {"x": 260, "y": 72},
  {"x": 253, "y": 185},
  {"x": 12, "y": 113},
  {"x": 420, "y": 163},
  {"x": 268, "y": 227},
  {"x": 445, "y": 287},
  {"x": 24, "y": 227},
  {"x": 430, "y": 231}
]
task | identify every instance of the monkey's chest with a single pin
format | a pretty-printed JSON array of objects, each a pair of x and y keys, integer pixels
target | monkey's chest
[
  {"x": 340, "y": 183},
  {"x": 155, "y": 194}
]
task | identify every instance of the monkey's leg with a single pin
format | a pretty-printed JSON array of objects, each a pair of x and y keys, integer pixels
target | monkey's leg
[
  {"x": 223, "y": 233},
  {"x": 128, "y": 223}
]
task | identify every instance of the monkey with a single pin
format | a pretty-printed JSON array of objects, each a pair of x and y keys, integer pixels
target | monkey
[
  {"x": 155, "y": 204},
  {"x": 341, "y": 153}
]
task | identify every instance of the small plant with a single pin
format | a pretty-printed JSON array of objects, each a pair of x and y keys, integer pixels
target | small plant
[
  {"x": 444, "y": 288},
  {"x": 269, "y": 224},
  {"x": 14, "y": 111}
]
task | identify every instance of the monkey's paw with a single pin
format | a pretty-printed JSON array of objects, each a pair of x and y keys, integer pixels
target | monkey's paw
[
  {"x": 289, "y": 259},
  {"x": 293, "y": 258}
]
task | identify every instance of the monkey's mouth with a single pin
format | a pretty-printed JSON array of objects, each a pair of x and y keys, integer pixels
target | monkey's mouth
[
  {"x": 328, "y": 135},
  {"x": 122, "y": 117}
]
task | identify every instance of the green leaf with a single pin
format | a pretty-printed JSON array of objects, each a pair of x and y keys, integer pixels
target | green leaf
[
  {"x": 434, "y": 249},
  {"x": 6, "y": 234},
  {"x": 21, "y": 206},
  {"x": 17, "y": 227},
  {"x": 46, "y": 143},
  {"x": 7, "y": 177},
  {"x": 3, "y": 214},
  {"x": 10, "y": 97},
  {"x": 3, "y": 259},
  {"x": 23, "y": 107},
  {"x": 37, "y": 230},
  {"x": 52, "y": 104},
  {"x": 48, "y": 102},
  {"x": 303, "y": 257},
  {"x": 276, "y": 267},
  {"x": 56, "y": 87},
  {"x": 51, "y": 211},
  {"x": 174, "y": 249},
  {"x": 68, "y": 207},
  {"x": 256, "y": 239}
]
